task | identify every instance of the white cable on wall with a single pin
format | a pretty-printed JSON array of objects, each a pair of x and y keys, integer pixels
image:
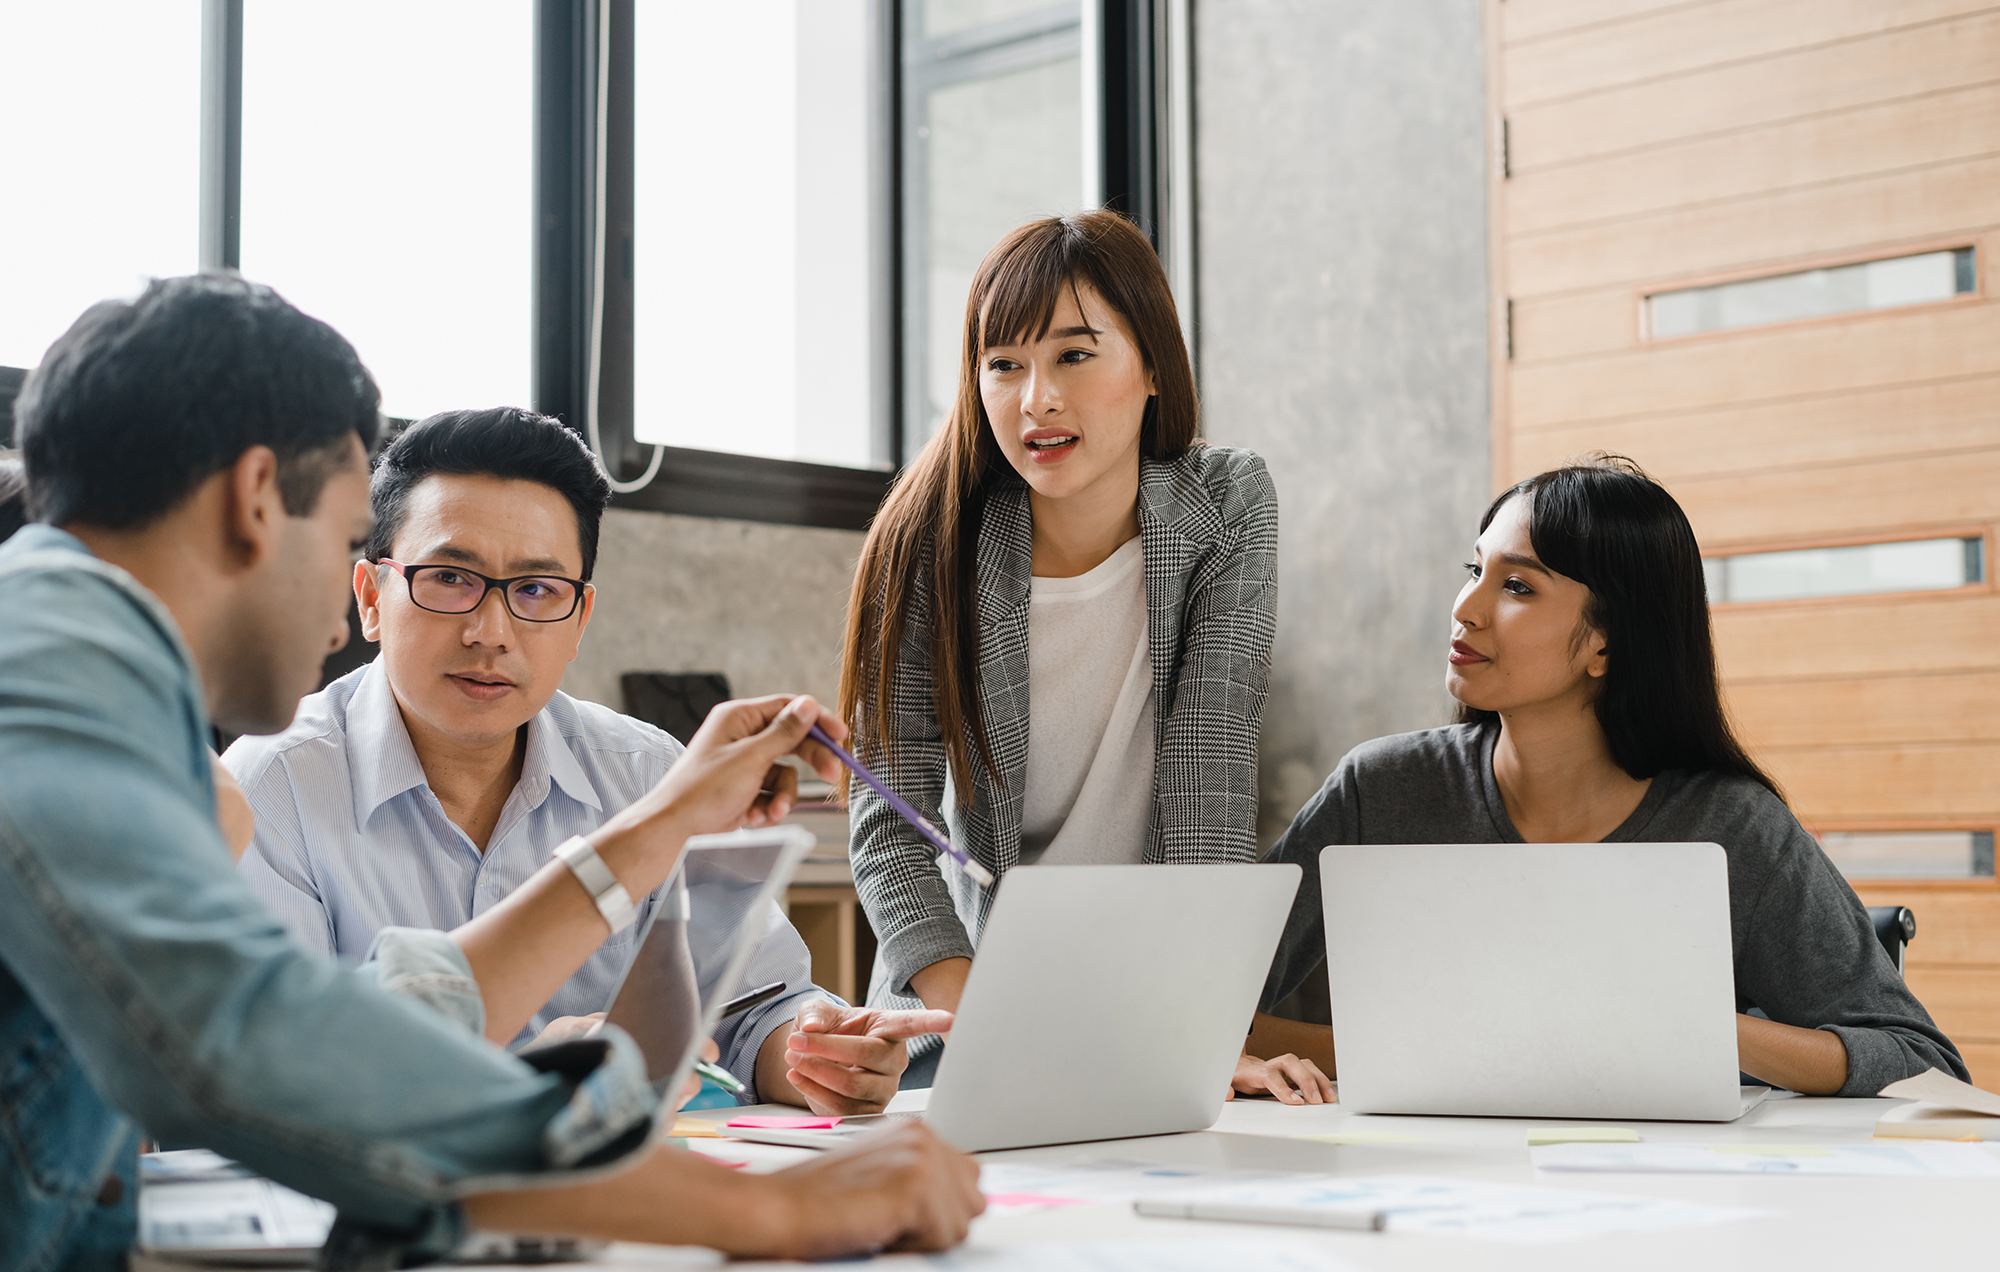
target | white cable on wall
[{"x": 593, "y": 387}]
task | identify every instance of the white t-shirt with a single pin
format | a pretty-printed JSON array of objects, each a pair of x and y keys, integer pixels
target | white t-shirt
[{"x": 1089, "y": 797}]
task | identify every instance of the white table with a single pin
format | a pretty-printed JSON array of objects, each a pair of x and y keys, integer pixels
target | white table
[{"x": 1823, "y": 1223}]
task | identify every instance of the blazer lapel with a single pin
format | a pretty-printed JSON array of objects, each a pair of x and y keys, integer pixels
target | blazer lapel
[
  {"x": 1006, "y": 567},
  {"x": 1173, "y": 530}
]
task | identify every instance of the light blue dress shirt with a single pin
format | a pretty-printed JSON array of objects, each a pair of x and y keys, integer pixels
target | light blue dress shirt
[{"x": 351, "y": 839}]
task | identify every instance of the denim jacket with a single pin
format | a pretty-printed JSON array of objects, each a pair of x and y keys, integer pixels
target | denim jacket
[{"x": 143, "y": 986}]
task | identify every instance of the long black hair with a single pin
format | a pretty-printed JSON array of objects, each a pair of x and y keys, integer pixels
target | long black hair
[{"x": 1618, "y": 532}]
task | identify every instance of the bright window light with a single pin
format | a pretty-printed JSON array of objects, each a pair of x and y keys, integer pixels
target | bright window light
[
  {"x": 100, "y": 122},
  {"x": 1925, "y": 854},
  {"x": 387, "y": 186},
  {"x": 1918, "y": 565},
  {"x": 1812, "y": 293},
  {"x": 752, "y": 251}
]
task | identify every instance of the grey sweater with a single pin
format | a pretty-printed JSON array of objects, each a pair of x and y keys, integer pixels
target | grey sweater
[{"x": 1805, "y": 952}]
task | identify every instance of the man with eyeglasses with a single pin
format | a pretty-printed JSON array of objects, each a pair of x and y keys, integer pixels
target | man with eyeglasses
[{"x": 424, "y": 788}]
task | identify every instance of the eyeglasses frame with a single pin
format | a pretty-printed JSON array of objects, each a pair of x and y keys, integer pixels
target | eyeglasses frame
[{"x": 403, "y": 568}]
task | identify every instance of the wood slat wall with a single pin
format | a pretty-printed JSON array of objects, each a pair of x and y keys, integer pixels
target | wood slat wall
[{"x": 1658, "y": 144}]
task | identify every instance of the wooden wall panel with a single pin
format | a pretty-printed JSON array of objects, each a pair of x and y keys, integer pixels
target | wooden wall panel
[
  {"x": 1529, "y": 19},
  {"x": 1572, "y": 326},
  {"x": 1874, "y": 711},
  {"x": 1879, "y": 213},
  {"x": 1864, "y": 636},
  {"x": 1891, "y": 785},
  {"x": 1909, "y": 63},
  {"x": 1893, "y": 498},
  {"x": 1984, "y": 1061},
  {"x": 1962, "y": 1000},
  {"x": 1690, "y": 37},
  {"x": 1815, "y": 151},
  {"x": 1953, "y": 927},
  {"x": 1816, "y": 429},
  {"x": 1953, "y": 338}
]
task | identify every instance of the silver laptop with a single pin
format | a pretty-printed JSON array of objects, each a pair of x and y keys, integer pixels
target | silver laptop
[
  {"x": 1105, "y": 1002},
  {"x": 1534, "y": 980},
  {"x": 734, "y": 881}
]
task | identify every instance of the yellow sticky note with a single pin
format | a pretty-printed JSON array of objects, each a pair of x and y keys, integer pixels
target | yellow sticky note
[
  {"x": 1771, "y": 1150},
  {"x": 1363, "y": 1137},
  {"x": 692, "y": 1128},
  {"x": 1538, "y": 1135}
]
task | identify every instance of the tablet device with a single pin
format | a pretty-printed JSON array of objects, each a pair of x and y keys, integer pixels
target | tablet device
[{"x": 733, "y": 882}]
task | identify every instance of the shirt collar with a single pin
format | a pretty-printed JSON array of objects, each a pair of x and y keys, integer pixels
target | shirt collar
[
  {"x": 384, "y": 764},
  {"x": 380, "y": 758},
  {"x": 549, "y": 757}
]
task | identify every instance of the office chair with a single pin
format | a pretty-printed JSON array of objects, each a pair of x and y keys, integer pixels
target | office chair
[{"x": 1895, "y": 927}]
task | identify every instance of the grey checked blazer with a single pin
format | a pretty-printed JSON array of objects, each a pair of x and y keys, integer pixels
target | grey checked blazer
[{"x": 1208, "y": 524}]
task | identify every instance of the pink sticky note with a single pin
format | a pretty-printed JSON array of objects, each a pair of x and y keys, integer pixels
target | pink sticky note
[
  {"x": 785, "y": 1123},
  {"x": 1028, "y": 1199}
]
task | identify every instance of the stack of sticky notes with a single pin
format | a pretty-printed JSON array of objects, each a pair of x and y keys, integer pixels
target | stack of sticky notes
[{"x": 1947, "y": 1109}]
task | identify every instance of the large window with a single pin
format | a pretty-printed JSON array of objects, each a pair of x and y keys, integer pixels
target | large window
[
  {"x": 731, "y": 243},
  {"x": 756, "y": 318},
  {"x": 994, "y": 126},
  {"x": 100, "y": 122},
  {"x": 387, "y": 184}
]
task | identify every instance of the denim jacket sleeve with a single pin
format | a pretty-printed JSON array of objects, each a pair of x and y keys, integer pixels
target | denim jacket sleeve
[{"x": 182, "y": 998}]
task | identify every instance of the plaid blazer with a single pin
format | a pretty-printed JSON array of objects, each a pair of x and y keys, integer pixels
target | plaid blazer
[{"x": 1208, "y": 525}]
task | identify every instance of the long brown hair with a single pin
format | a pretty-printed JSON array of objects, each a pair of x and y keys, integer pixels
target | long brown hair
[{"x": 926, "y": 534}]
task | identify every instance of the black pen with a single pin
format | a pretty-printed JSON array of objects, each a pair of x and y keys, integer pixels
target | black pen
[{"x": 735, "y": 1007}]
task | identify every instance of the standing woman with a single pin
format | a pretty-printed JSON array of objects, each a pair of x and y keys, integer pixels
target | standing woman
[{"x": 1059, "y": 638}]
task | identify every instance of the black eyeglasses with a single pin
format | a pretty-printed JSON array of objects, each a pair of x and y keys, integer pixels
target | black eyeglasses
[{"x": 453, "y": 589}]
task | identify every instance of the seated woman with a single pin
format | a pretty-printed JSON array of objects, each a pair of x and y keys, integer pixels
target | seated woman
[{"x": 1589, "y": 711}]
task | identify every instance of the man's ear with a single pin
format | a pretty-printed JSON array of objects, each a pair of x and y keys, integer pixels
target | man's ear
[
  {"x": 368, "y": 599},
  {"x": 255, "y": 514}
]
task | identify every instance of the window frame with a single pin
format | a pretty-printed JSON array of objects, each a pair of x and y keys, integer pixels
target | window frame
[{"x": 1136, "y": 56}]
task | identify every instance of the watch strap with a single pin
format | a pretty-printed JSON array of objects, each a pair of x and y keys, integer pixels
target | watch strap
[{"x": 612, "y": 901}]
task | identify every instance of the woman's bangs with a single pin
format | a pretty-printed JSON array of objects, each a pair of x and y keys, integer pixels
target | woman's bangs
[{"x": 1020, "y": 301}]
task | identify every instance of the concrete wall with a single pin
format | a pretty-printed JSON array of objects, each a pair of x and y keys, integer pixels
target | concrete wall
[
  {"x": 762, "y": 604},
  {"x": 1343, "y": 335}
]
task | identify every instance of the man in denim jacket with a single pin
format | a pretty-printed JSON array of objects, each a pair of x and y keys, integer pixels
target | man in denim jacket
[{"x": 202, "y": 450}]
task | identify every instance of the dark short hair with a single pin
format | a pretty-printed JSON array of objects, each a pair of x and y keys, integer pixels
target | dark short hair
[
  {"x": 1604, "y": 523},
  {"x": 141, "y": 401},
  {"x": 13, "y": 498},
  {"x": 504, "y": 442}
]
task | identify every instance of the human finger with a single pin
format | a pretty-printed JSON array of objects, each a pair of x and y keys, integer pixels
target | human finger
[
  {"x": 866, "y": 1051},
  {"x": 902, "y": 1026},
  {"x": 946, "y": 1209},
  {"x": 1295, "y": 1071},
  {"x": 875, "y": 1086},
  {"x": 826, "y": 1101},
  {"x": 709, "y": 1051},
  {"x": 775, "y": 799}
]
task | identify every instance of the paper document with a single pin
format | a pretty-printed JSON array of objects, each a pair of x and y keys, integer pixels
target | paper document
[
  {"x": 230, "y": 1215},
  {"x": 1950, "y": 1109},
  {"x": 1124, "y": 1256},
  {"x": 1019, "y": 1185},
  {"x": 1924, "y": 1158},
  {"x": 1450, "y": 1207},
  {"x": 1935, "y": 1086}
]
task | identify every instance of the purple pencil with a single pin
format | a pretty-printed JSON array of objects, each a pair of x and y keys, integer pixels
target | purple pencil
[{"x": 977, "y": 873}]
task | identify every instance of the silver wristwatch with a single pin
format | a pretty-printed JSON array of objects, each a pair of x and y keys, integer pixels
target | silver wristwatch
[{"x": 613, "y": 902}]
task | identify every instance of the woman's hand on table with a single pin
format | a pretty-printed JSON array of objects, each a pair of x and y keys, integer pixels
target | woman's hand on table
[{"x": 1291, "y": 1079}]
